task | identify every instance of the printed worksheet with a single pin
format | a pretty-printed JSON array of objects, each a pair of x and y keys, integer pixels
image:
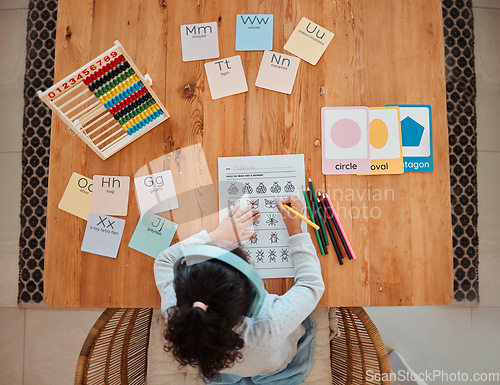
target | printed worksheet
[{"x": 260, "y": 181}]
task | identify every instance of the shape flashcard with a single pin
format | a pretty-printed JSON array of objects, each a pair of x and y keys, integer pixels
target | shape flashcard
[
  {"x": 103, "y": 235},
  {"x": 386, "y": 152},
  {"x": 156, "y": 192},
  {"x": 110, "y": 195},
  {"x": 199, "y": 41},
  {"x": 416, "y": 132},
  {"x": 152, "y": 235},
  {"x": 226, "y": 77},
  {"x": 308, "y": 41},
  {"x": 345, "y": 140},
  {"x": 277, "y": 72},
  {"x": 77, "y": 196},
  {"x": 254, "y": 32}
]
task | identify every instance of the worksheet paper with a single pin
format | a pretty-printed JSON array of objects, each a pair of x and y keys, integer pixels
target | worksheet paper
[{"x": 260, "y": 181}]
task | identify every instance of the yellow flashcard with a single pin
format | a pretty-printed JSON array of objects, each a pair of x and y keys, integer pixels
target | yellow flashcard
[{"x": 77, "y": 196}]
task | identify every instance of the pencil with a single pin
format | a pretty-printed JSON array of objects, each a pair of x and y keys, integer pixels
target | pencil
[
  {"x": 312, "y": 218},
  {"x": 314, "y": 225},
  {"x": 329, "y": 229},
  {"x": 317, "y": 210},
  {"x": 332, "y": 226},
  {"x": 340, "y": 229},
  {"x": 317, "y": 219}
]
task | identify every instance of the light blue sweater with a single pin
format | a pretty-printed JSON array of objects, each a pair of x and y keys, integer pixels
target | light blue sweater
[{"x": 271, "y": 337}]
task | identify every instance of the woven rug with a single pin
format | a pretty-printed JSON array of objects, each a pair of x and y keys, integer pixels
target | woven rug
[{"x": 461, "y": 95}]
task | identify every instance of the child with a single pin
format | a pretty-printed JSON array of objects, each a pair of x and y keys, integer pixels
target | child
[{"x": 205, "y": 306}]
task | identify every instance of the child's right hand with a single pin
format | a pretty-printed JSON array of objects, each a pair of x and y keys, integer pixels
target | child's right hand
[{"x": 293, "y": 222}]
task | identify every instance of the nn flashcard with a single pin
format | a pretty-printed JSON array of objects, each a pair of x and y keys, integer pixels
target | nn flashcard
[
  {"x": 345, "y": 141},
  {"x": 199, "y": 41},
  {"x": 226, "y": 77},
  {"x": 110, "y": 195},
  {"x": 308, "y": 41},
  {"x": 152, "y": 235},
  {"x": 254, "y": 32},
  {"x": 103, "y": 235},
  {"x": 277, "y": 72},
  {"x": 156, "y": 192},
  {"x": 77, "y": 196}
]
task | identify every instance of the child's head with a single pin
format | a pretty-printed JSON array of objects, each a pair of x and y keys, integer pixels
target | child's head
[{"x": 205, "y": 338}]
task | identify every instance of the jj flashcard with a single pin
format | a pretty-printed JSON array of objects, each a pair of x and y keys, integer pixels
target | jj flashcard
[
  {"x": 103, "y": 235},
  {"x": 77, "y": 196},
  {"x": 254, "y": 32},
  {"x": 345, "y": 140},
  {"x": 199, "y": 41},
  {"x": 156, "y": 192},
  {"x": 110, "y": 195},
  {"x": 277, "y": 72},
  {"x": 309, "y": 41},
  {"x": 226, "y": 77},
  {"x": 152, "y": 235}
]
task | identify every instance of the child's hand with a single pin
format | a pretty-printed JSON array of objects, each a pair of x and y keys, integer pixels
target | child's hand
[
  {"x": 293, "y": 222},
  {"x": 231, "y": 231}
]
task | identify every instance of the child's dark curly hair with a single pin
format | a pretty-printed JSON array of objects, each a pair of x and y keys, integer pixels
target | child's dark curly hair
[{"x": 206, "y": 339}]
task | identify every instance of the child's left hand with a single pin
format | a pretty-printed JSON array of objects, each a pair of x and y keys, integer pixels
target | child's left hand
[{"x": 231, "y": 231}]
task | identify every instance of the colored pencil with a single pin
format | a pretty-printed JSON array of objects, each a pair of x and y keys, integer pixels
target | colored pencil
[
  {"x": 329, "y": 229},
  {"x": 340, "y": 229},
  {"x": 317, "y": 219},
  {"x": 312, "y": 219},
  {"x": 317, "y": 210},
  {"x": 314, "y": 225},
  {"x": 332, "y": 226}
]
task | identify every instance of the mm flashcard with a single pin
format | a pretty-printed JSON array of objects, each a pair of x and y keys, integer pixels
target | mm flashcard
[
  {"x": 277, "y": 72},
  {"x": 416, "y": 132},
  {"x": 110, "y": 195},
  {"x": 254, "y": 32},
  {"x": 386, "y": 152},
  {"x": 345, "y": 140},
  {"x": 77, "y": 196},
  {"x": 199, "y": 41},
  {"x": 308, "y": 41},
  {"x": 156, "y": 192},
  {"x": 103, "y": 235},
  {"x": 152, "y": 235},
  {"x": 226, "y": 77}
]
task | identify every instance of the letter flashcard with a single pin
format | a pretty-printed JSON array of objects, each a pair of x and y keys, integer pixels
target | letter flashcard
[
  {"x": 199, "y": 41},
  {"x": 110, "y": 195},
  {"x": 254, "y": 32},
  {"x": 103, "y": 235},
  {"x": 226, "y": 77},
  {"x": 308, "y": 41},
  {"x": 156, "y": 192},
  {"x": 77, "y": 196},
  {"x": 277, "y": 72},
  {"x": 345, "y": 141}
]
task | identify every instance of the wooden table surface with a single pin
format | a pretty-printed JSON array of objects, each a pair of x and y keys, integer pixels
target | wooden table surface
[{"x": 386, "y": 51}]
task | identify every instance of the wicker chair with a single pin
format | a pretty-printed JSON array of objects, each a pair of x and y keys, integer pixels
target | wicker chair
[{"x": 115, "y": 351}]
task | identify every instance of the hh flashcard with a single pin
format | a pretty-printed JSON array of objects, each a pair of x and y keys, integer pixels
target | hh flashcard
[
  {"x": 77, "y": 196},
  {"x": 103, "y": 235},
  {"x": 308, "y": 41},
  {"x": 226, "y": 77},
  {"x": 199, "y": 41},
  {"x": 110, "y": 195},
  {"x": 156, "y": 192},
  {"x": 277, "y": 72},
  {"x": 345, "y": 140},
  {"x": 254, "y": 32},
  {"x": 416, "y": 132},
  {"x": 386, "y": 152},
  {"x": 152, "y": 235}
]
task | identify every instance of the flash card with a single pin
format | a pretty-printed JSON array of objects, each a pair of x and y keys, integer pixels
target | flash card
[
  {"x": 77, "y": 196},
  {"x": 152, "y": 235},
  {"x": 226, "y": 77},
  {"x": 199, "y": 41},
  {"x": 254, "y": 32},
  {"x": 110, "y": 195},
  {"x": 103, "y": 235},
  {"x": 277, "y": 72},
  {"x": 156, "y": 192}
]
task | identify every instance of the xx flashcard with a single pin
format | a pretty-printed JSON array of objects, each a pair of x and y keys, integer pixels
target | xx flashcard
[{"x": 103, "y": 235}]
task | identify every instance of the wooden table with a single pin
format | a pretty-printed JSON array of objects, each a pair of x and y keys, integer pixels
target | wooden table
[{"x": 383, "y": 52}]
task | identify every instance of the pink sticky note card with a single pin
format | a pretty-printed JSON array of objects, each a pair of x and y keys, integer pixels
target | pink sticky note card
[
  {"x": 226, "y": 77},
  {"x": 345, "y": 140},
  {"x": 277, "y": 72},
  {"x": 199, "y": 41},
  {"x": 110, "y": 195}
]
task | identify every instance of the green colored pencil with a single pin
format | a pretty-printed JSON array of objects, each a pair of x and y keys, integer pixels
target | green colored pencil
[
  {"x": 312, "y": 219},
  {"x": 323, "y": 231}
]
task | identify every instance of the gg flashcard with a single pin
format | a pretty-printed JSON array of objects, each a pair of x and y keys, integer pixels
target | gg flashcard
[
  {"x": 309, "y": 41},
  {"x": 345, "y": 140},
  {"x": 156, "y": 192},
  {"x": 254, "y": 32},
  {"x": 386, "y": 151},
  {"x": 77, "y": 196},
  {"x": 277, "y": 72},
  {"x": 152, "y": 235},
  {"x": 416, "y": 132},
  {"x": 103, "y": 235},
  {"x": 199, "y": 41},
  {"x": 226, "y": 77},
  {"x": 110, "y": 195}
]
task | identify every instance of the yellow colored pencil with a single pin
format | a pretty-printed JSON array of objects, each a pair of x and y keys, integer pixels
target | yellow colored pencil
[{"x": 301, "y": 217}]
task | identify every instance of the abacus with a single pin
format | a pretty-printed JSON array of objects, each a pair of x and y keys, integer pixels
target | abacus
[{"x": 107, "y": 102}]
